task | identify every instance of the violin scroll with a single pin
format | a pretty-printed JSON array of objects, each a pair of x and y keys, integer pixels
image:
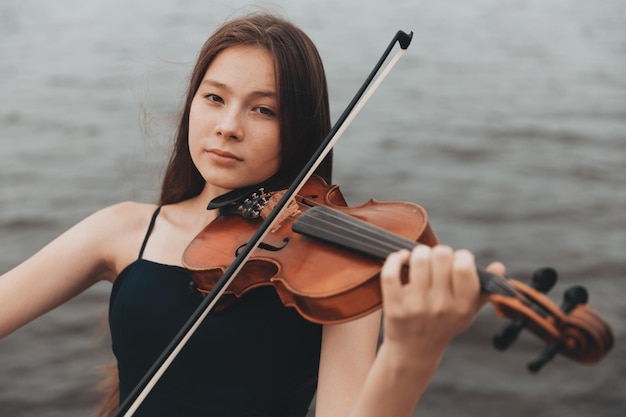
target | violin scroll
[{"x": 574, "y": 330}]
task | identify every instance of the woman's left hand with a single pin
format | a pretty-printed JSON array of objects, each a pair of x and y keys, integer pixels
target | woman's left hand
[{"x": 440, "y": 299}]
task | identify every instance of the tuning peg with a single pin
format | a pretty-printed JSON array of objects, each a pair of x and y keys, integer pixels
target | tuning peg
[
  {"x": 508, "y": 334},
  {"x": 573, "y": 296},
  {"x": 543, "y": 280},
  {"x": 546, "y": 356}
]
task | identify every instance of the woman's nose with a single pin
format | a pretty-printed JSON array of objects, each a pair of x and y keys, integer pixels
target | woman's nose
[{"x": 230, "y": 125}]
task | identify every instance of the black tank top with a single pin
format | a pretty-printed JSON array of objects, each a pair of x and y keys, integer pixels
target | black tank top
[{"x": 256, "y": 358}]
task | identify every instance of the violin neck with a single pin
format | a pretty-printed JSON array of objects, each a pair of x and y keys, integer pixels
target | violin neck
[{"x": 337, "y": 228}]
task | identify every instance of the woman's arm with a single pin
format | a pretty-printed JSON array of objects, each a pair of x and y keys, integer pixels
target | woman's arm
[
  {"x": 90, "y": 251},
  {"x": 348, "y": 351},
  {"x": 421, "y": 317}
]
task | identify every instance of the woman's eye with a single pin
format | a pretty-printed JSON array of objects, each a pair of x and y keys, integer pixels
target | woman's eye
[
  {"x": 214, "y": 98},
  {"x": 265, "y": 111}
]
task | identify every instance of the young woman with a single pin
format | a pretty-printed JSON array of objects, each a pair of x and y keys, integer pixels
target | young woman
[{"x": 256, "y": 108}]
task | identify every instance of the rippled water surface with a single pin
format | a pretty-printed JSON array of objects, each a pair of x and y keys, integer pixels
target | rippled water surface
[{"x": 505, "y": 119}]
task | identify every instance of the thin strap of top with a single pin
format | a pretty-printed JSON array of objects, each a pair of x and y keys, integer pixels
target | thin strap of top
[{"x": 150, "y": 227}]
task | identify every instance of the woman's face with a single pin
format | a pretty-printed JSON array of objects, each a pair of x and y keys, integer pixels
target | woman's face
[{"x": 234, "y": 130}]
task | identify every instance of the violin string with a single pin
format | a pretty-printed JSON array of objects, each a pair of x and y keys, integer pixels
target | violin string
[
  {"x": 496, "y": 284},
  {"x": 330, "y": 227},
  {"x": 344, "y": 230},
  {"x": 339, "y": 228}
]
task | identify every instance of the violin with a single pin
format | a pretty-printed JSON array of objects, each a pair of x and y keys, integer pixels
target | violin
[{"x": 323, "y": 258}]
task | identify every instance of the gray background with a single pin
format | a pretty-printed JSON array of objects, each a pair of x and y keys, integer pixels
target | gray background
[{"x": 505, "y": 119}]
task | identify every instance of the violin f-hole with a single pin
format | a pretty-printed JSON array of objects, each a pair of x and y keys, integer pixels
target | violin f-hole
[
  {"x": 274, "y": 248},
  {"x": 309, "y": 200},
  {"x": 266, "y": 246}
]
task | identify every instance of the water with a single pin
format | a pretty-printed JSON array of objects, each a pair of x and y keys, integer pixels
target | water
[{"x": 505, "y": 119}]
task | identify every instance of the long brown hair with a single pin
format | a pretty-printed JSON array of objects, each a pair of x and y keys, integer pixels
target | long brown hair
[
  {"x": 303, "y": 109},
  {"x": 303, "y": 99}
]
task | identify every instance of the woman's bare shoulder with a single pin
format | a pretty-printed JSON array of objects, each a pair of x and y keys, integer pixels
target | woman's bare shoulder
[
  {"x": 119, "y": 220},
  {"x": 95, "y": 249},
  {"x": 129, "y": 213},
  {"x": 119, "y": 229}
]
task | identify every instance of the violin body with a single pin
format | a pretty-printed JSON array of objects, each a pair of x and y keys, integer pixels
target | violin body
[{"x": 308, "y": 275}]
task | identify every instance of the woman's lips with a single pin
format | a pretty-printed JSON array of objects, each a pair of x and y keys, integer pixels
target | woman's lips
[{"x": 223, "y": 156}]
